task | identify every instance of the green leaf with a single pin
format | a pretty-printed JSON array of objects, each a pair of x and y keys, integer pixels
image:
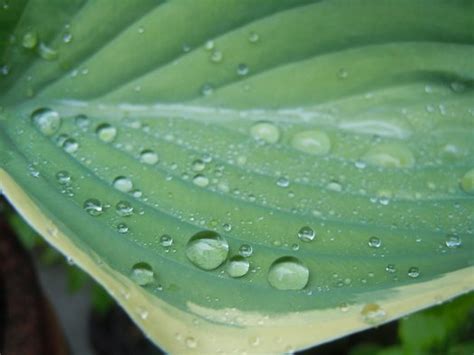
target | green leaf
[{"x": 154, "y": 142}]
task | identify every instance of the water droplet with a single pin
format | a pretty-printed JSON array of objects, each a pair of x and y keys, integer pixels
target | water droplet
[
  {"x": 375, "y": 242},
  {"x": 227, "y": 227},
  {"x": 306, "y": 234},
  {"x": 166, "y": 240},
  {"x": 207, "y": 90},
  {"x": 453, "y": 241},
  {"x": 237, "y": 266},
  {"x": 67, "y": 37},
  {"x": 242, "y": 69},
  {"x": 201, "y": 180},
  {"x": 207, "y": 250},
  {"x": 122, "y": 228},
  {"x": 283, "y": 182},
  {"x": 467, "y": 182},
  {"x": 142, "y": 274},
  {"x": 457, "y": 86},
  {"x": 94, "y": 207},
  {"x": 372, "y": 313},
  {"x": 106, "y": 132},
  {"x": 312, "y": 142},
  {"x": 390, "y": 268},
  {"x": 82, "y": 121},
  {"x": 209, "y": 45},
  {"x": 191, "y": 342},
  {"x": 413, "y": 272},
  {"x": 149, "y": 157},
  {"x": 390, "y": 155},
  {"x": 124, "y": 208},
  {"x": 216, "y": 56},
  {"x": 47, "y": 53},
  {"x": 266, "y": 132},
  {"x": 70, "y": 145},
  {"x": 123, "y": 184},
  {"x": 253, "y": 37},
  {"x": 30, "y": 40},
  {"x": 288, "y": 273},
  {"x": 63, "y": 177},
  {"x": 198, "y": 165},
  {"x": 245, "y": 250},
  {"x": 342, "y": 73},
  {"x": 46, "y": 120}
]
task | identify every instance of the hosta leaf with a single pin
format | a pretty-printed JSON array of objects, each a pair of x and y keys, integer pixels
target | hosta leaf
[{"x": 247, "y": 175}]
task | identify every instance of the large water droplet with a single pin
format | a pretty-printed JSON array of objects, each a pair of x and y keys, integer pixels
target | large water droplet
[
  {"x": 142, "y": 273},
  {"x": 47, "y": 120},
  {"x": 288, "y": 273},
  {"x": 453, "y": 241},
  {"x": 207, "y": 250},
  {"x": 266, "y": 132},
  {"x": 123, "y": 184},
  {"x": 237, "y": 266},
  {"x": 372, "y": 313},
  {"x": 94, "y": 207},
  {"x": 467, "y": 182},
  {"x": 124, "y": 208},
  {"x": 106, "y": 132},
  {"x": 375, "y": 242},
  {"x": 201, "y": 180},
  {"x": 413, "y": 272},
  {"x": 306, "y": 234},
  {"x": 312, "y": 142},
  {"x": 149, "y": 157},
  {"x": 390, "y": 155}
]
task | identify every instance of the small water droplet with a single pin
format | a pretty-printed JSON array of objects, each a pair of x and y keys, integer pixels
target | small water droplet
[
  {"x": 253, "y": 37},
  {"x": 375, "y": 242},
  {"x": 46, "y": 120},
  {"x": 124, "y": 208},
  {"x": 63, "y": 177},
  {"x": 342, "y": 73},
  {"x": 467, "y": 182},
  {"x": 198, "y": 165},
  {"x": 312, "y": 142},
  {"x": 207, "y": 250},
  {"x": 30, "y": 40},
  {"x": 227, "y": 227},
  {"x": 372, "y": 313},
  {"x": 413, "y": 272},
  {"x": 207, "y": 90},
  {"x": 200, "y": 180},
  {"x": 390, "y": 268},
  {"x": 149, "y": 157},
  {"x": 81, "y": 121},
  {"x": 245, "y": 250},
  {"x": 70, "y": 145},
  {"x": 106, "y": 132},
  {"x": 67, "y": 37},
  {"x": 306, "y": 234},
  {"x": 217, "y": 56},
  {"x": 47, "y": 53},
  {"x": 457, "y": 86},
  {"x": 453, "y": 241},
  {"x": 283, "y": 182},
  {"x": 237, "y": 266},
  {"x": 142, "y": 273},
  {"x": 122, "y": 228},
  {"x": 266, "y": 132},
  {"x": 209, "y": 45},
  {"x": 191, "y": 342},
  {"x": 242, "y": 69},
  {"x": 166, "y": 240},
  {"x": 94, "y": 207},
  {"x": 288, "y": 273},
  {"x": 123, "y": 184}
]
